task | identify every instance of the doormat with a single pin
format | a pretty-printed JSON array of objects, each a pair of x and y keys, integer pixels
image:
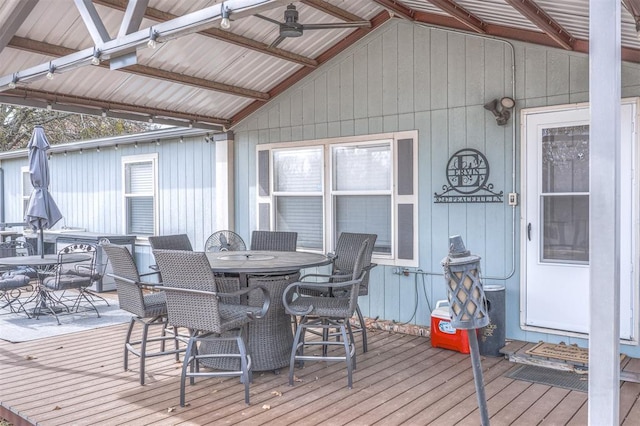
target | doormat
[
  {"x": 560, "y": 351},
  {"x": 549, "y": 377}
]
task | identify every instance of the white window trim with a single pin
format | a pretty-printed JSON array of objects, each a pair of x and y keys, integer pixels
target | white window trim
[
  {"x": 23, "y": 197},
  {"x": 153, "y": 158},
  {"x": 328, "y": 237}
]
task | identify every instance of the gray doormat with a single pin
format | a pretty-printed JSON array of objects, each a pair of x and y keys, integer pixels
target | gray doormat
[{"x": 550, "y": 376}]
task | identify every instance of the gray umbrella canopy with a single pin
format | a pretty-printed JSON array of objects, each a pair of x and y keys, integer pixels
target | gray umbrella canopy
[{"x": 42, "y": 211}]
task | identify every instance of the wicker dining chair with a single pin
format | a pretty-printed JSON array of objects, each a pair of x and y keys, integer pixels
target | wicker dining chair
[
  {"x": 149, "y": 308},
  {"x": 344, "y": 257},
  {"x": 274, "y": 240},
  {"x": 169, "y": 242},
  {"x": 195, "y": 302},
  {"x": 322, "y": 314}
]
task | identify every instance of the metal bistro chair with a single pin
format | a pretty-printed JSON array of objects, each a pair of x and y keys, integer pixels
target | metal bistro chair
[
  {"x": 15, "y": 248},
  {"x": 274, "y": 240},
  {"x": 67, "y": 277},
  {"x": 194, "y": 302},
  {"x": 11, "y": 286},
  {"x": 149, "y": 309},
  {"x": 326, "y": 313}
]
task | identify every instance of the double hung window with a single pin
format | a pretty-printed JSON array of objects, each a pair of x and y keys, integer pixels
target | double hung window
[
  {"x": 139, "y": 191},
  {"x": 363, "y": 184}
]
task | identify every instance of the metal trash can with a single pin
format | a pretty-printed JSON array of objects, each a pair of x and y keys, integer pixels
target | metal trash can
[{"x": 492, "y": 336}]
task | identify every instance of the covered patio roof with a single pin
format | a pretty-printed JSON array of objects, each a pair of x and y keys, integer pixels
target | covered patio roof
[{"x": 202, "y": 75}]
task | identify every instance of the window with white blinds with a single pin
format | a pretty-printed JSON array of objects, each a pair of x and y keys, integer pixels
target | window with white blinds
[
  {"x": 362, "y": 184},
  {"x": 139, "y": 181}
]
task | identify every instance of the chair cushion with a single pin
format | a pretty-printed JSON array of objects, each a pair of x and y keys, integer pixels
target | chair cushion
[
  {"x": 154, "y": 304},
  {"x": 9, "y": 281},
  {"x": 234, "y": 316},
  {"x": 66, "y": 282},
  {"x": 332, "y": 307}
]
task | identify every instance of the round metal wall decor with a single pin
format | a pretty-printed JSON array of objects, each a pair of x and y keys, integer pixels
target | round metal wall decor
[
  {"x": 467, "y": 171},
  {"x": 468, "y": 179}
]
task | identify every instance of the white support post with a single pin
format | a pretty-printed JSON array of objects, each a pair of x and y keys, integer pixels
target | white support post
[
  {"x": 604, "y": 212},
  {"x": 225, "y": 200}
]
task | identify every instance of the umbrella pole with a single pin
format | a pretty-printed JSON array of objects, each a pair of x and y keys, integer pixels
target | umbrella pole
[{"x": 41, "y": 242}]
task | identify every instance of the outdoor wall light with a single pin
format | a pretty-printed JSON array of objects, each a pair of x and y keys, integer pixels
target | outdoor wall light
[
  {"x": 181, "y": 139},
  {"x": 115, "y": 147},
  {"x": 104, "y": 113},
  {"x": 135, "y": 145},
  {"x": 158, "y": 142},
  {"x": 225, "y": 23},
  {"x": 501, "y": 109},
  {"x": 98, "y": 149}
]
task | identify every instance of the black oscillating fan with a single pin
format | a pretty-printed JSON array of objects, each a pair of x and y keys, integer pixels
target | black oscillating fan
[{"x": 225, "y": 241}]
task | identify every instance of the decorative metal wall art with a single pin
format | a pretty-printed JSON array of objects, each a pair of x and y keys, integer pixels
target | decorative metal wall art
[{"x": 468, "y": 178}]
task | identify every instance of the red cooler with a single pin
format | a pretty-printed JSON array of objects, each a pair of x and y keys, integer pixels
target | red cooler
[{"x": 443, "y": 335}]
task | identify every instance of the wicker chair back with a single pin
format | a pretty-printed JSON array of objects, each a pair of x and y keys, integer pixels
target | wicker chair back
[
  {"x": 130, "y": 296},
  {"x": 171, "y": 242},
  {"x": 274, "y": 240},
  {"x": 346, "y": 252}
]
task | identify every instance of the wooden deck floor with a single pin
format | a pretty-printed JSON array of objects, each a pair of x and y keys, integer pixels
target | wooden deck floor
[{"x": 78, "y": 379}]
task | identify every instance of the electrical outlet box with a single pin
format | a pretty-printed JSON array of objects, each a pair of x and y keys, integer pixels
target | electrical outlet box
[{"x": 513, "y": 198}]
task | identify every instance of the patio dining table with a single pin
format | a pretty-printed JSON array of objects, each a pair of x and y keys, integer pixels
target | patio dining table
[
  {"x": 270, "y": 338},
  {"x": 42, "y": 265}
]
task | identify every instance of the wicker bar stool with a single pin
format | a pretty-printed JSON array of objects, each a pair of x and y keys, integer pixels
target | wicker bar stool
[{"x": 194, "y": 302}]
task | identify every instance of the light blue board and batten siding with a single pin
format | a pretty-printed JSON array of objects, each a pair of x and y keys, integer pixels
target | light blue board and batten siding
[
  {"x": 402, "y": 78},
  {"x": 407, "y": 77},
  {"x": 88, "y": 189}
]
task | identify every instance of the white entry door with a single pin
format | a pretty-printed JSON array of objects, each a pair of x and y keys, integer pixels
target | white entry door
[{"x": 555, "y": 230}]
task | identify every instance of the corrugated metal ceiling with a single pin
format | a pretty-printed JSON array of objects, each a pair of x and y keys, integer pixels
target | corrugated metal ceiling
[{"x": 215, "y": 78}]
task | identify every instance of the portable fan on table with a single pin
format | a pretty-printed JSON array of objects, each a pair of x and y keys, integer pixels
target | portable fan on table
[
  {"x": 225, "y": 241},
  {"x": 292, "y": 28}
]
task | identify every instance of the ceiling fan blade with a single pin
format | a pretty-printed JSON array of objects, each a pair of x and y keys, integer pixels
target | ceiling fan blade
[
  {"x": 338, "y": 25},
  {"x": 273, "y": 21},
  {"x": 277, "y": 41}
]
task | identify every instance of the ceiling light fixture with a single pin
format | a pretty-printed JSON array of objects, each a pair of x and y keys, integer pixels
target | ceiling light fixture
[
  {"x": 151, "y": 119},
  {"x": 49, "y": 106},
  {"x": 14, "y": 81},
  {"x": 80, "y": 151},
  {"x": 153, "y": 36},
  {"x": 158, "y": 142},
  {"x": 115, "y": 147},
  {"x": 104, "y": 113},
  {"x": 51, "y": 71},
  {"x": 95, "y": 59},
  {"x": 98, "y": 149},
  {"x": 135, "y": 145},
  {"x": 225, "y": 23},
  {"x": 181, "y": 139}
]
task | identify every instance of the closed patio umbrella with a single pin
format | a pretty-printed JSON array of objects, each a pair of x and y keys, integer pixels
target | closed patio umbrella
[{"x": 42, "y": 211}]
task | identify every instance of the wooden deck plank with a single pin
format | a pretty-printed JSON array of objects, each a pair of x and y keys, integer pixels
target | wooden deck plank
[
  {"x": 429, "y": 406},
  {"x": 78, "y": 379},
  {"x": 566, "y": 409},
  {"x": 545, "y": 404}
]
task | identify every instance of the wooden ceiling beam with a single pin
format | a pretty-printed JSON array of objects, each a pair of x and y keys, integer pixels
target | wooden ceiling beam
[
  {"x": 332, "y": 10},
  {"x": 462, "y": 15},
  {"x": 534, "y": 13},
  {"x": 226, "y": 36},
  {"x": 349, "y": 40},
  {"x": 397, "y": 9},
  {"x": 142, "y": 70}
]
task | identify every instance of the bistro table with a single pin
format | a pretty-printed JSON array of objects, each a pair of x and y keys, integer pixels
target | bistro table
[
  {"x": 269, "y": 339},
  {"x": 42, "y": 265}
]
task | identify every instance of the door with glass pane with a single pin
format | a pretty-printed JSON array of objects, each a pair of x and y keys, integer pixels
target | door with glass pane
[{"x": 556, "y": 222}]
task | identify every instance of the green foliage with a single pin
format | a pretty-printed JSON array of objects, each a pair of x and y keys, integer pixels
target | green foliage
[{"x": 18, "y": 124}]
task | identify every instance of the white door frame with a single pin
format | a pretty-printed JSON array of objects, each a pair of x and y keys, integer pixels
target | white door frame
[{"x": 632, "y": 216}]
